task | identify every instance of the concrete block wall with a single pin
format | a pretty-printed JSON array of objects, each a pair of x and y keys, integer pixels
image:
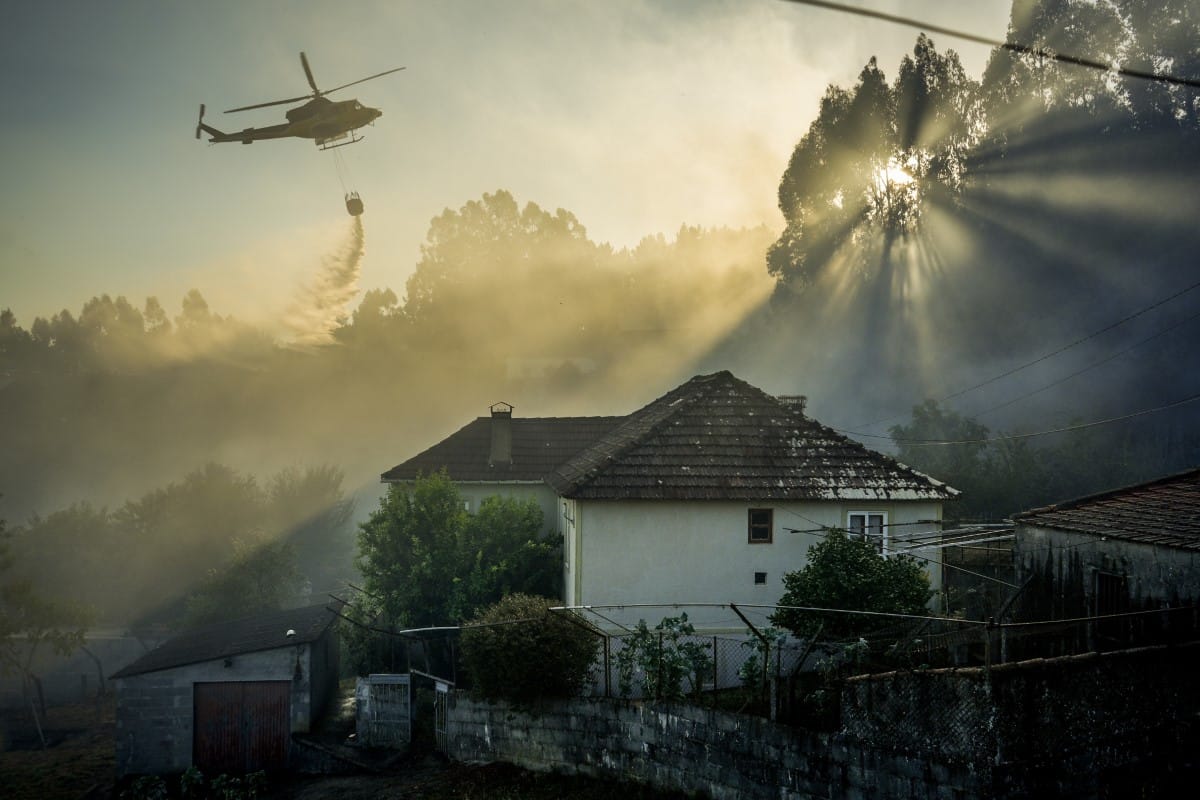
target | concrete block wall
[
  {"x": 722, "y": 755},
  {"x": 153, "y": 725}
]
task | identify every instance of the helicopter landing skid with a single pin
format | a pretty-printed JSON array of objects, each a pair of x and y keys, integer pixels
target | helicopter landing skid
[{"x": 327, "y": 144}]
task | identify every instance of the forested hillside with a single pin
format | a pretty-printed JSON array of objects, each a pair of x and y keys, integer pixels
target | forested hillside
[{"x": 1018, "y": 247}]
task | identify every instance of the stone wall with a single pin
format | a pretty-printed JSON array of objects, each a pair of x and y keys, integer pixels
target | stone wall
[
  {"x": 1113, "y": 724},
  {"x": 721, "y": 755}
]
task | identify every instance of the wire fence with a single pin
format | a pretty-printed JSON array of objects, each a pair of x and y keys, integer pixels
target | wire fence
[{"x": 803, "y": 679}]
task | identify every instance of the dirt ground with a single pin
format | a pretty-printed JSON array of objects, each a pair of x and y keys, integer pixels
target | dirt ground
[{"x": 78, "y": 760}]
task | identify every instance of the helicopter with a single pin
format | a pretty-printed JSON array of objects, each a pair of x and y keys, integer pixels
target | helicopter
[{"x": 329, "y": 123}]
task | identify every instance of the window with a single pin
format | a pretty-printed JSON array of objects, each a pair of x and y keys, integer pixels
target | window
[
  {"x": 760, "y": 578},
  {"x": 869, "y": 525},
  {"x": 760, "y": 527}
]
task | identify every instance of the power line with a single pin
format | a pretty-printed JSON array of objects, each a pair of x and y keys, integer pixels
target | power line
[
  {"x": 1092, "y": 366},
  {"x": 1016, "y": 436},
  {"x": 1005, "y": 45},
  {"x": 1053, "y": 353}
]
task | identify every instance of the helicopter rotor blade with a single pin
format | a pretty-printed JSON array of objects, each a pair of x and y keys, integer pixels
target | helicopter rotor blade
[
  {"x": 360, "y": 80},
  {"x": 272, "y": 103},
  {"x": 308, "y": 74}
]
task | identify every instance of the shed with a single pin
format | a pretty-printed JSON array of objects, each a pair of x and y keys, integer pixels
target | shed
[
  {"x": 1117, "y": 555},
  {"x": 227, "y": 697}
]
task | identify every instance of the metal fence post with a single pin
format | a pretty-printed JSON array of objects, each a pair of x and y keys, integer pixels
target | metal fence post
[
  {"x": 658, "y": 683},
  {"x": 717, "y": 674},
  {"x": 608, "y": 666},
  {"x": 987, "y": 642}
]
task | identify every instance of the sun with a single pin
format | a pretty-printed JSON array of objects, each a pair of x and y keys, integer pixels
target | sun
[{"x": 893, "y": 173}]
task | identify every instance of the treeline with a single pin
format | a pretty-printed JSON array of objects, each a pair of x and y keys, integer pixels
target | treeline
[
  {"x": 507, "y": 302},
  {"x": 941, "y": 228},
  {"x": 939, "y": 231},
  {"x": 215, "y": 544},
  {"x": 1003, "y": 473}
]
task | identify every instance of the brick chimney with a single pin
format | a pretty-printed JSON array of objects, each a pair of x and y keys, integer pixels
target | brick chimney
[{"x": 501, "y": 451}]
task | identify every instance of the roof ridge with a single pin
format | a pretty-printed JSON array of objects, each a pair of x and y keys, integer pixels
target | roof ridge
[
  {"x": 631, "y": 420},
  {"x": 1076, "y": 502}
]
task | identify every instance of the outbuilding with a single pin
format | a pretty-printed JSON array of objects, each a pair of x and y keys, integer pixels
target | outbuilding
[{"x": 227, "y": 697}]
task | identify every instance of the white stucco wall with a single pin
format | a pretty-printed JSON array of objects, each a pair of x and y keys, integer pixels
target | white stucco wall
[
  {"x": 625, "y": 552},
  {"x": 475, "y": 493}
]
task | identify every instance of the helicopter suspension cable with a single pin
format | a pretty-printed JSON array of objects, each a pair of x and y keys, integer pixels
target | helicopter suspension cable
[{"x": 343, "y": 171}]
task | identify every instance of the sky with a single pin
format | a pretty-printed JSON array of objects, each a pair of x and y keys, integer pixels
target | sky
[{"x": 638, "y": 117}]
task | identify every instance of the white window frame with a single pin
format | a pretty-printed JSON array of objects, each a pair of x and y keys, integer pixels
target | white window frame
[{"x": 881, "y": 539}]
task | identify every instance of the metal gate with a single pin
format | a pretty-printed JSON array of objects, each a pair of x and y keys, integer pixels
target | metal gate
[
  {"x": 241, "y": 726},
  {"x": 388, "y": 710},
  {"x": 441, "y": 703}
]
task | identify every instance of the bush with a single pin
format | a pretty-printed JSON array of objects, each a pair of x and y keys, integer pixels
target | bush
[
  {"x": 663, "y": 657},
  {"x": 847, "y": 573},
  {"x": 518, "y": 650}
]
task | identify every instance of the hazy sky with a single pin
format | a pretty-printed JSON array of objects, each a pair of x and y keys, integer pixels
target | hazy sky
[{"x": 636, "y": 116}]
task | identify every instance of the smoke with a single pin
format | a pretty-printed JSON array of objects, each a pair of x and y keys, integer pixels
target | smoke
[{"x": 322, "y": 304}]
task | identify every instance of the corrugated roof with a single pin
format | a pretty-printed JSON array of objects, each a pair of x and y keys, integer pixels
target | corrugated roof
[
  {"x": 713, "y": 438},
  {"x": 246, "y": 635},
  {"x": 538, "y": 446},
  {"x": 1163, "y": 512},
  {"x": 716, "y": 437}
]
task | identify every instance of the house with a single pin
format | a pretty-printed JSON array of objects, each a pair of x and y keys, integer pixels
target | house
[
  {"x": 711, "y": 493},
  {"x": 1131, "y": 549},
  {"x": 227, "y": 697}
]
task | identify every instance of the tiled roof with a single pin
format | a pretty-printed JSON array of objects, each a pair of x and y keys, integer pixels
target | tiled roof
[
  {"x": 538, "y": 446},
  {"x": 713, "y": 438},
  {"x": 247, "y": 635},
  {"x": 719, "y": 438},
  {"x": 1162, "y": 512}
]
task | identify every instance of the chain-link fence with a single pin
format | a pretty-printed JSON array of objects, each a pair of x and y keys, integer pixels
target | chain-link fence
[{"x": 816, "y": 682}]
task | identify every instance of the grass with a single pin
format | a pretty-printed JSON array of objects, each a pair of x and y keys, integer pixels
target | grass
[{"x": 79, "y": 755}]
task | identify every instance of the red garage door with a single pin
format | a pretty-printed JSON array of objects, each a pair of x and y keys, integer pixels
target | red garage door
[{"x": 241, "y": 726}]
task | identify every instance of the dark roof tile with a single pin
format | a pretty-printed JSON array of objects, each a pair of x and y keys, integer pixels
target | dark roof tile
[
  {"x": 247, "y": 635},
  {"x": 1164, "y": 512},
  {"x": 713, "y": 438},
  {"x": 538, "y": 446}
]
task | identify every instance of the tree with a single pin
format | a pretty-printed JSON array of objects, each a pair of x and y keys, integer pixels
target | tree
[
  {"x": 964, "y": 465},
  {"x": 28, "y": 621},
  {"x": 848, "y": 573},
  {"x": 406, "y": 551},
  {"x": 425, "y": 561},
  {"x": 309, "y": 510},
  {"x": 261, "y": 576},
  {"x": 862, "y": 172},
  {"x": 501, "y": 553},
  {"x": 518, "y": 650}
]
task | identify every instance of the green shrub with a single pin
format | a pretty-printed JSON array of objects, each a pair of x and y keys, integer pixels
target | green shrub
[
  {"x": 520, "y": 651},
  {"x": 663, "y": 657}
]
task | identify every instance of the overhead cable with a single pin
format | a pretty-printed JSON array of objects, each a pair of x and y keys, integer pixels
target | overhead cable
[
  {"x": 1053, "y": 353},
  {"x": 1015, "y": 436},
  {"x": 1090, "y": 367},
  {"x": 1005, "y": 45}
]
